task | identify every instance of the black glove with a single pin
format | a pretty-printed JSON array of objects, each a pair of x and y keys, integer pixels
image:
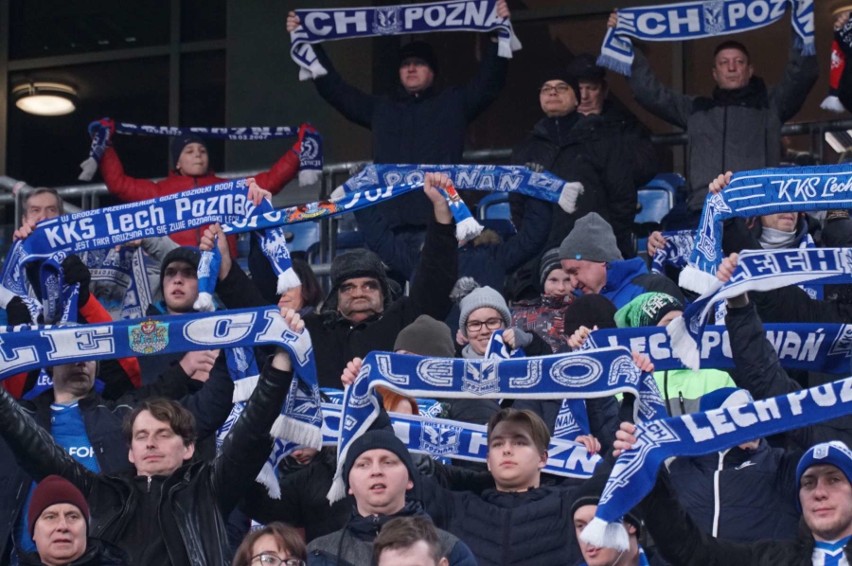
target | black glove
[
  {"x": 17, "y": 312},
  {"x": 75, "y": 271}
]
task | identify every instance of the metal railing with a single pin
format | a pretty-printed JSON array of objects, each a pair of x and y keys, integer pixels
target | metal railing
[{"x": 333, "y": 174}]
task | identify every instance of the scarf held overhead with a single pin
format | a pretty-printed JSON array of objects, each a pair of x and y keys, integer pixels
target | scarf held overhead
[
  {"x": 696, "y": 434},
  {"x": 824, "y": 348},
  {"x": 310, "y": 142},
  {"x": 700, "y": 19},
  {"x": 25, "y": 348},
  {"x": 760, "y": 192},
  {"x": 757, "y": 270},
  {"x": 319, "y": 25},
  {"x": 577, "y": 375},
  {"x": 491, "y": 178}
]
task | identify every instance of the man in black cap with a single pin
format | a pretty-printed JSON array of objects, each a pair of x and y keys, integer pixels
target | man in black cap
[
  {"x": 417, "y": 123},
  {"x": 594, "y": 100},
  {"x": 574, "y": 148},
  {"x": 378, "y": 472}
]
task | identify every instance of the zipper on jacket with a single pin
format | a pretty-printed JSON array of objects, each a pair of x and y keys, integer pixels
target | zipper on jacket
[
  {"x": 682, "y": 402},
  {"x": 717, "y": 496},
  {"x": 149, "y": 484},
  {"x": 724, "y": 137}
]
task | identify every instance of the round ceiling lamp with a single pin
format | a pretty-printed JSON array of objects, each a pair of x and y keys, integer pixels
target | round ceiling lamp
[{"x": 45, "y": 99}]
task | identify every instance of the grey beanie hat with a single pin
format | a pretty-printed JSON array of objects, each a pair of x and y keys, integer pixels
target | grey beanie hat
[
  {"x": 591, "y": 239},
  {"x": 483, "y": 297},
  {"x": 426, "y": 337}
]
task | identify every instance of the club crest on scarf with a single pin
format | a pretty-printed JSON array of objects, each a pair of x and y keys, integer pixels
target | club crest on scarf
[
  {"x": 480, "y": 377},
  {"x": 440, "y": 439},
  {"x": 149, "y": 337},
  {"x": 387, "y": 21}
]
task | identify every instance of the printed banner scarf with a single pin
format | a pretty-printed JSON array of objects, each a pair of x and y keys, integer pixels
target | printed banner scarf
[
  {"x": 759, "y": 192},
  {"x": 696, "y": 434},
  {"x": 319, "y": 25},
  {"x": 577, "y": 375},
  {"x": 824, "y": 348},
  {"x": 119, "y": 280},
  {"x": 25, "y": 348},
  {"x": 699, "y": 19},
  {"x": 757, "y": 270},
  {"x": 310, "y": 142},
  {"x": 492, "y": 178}
]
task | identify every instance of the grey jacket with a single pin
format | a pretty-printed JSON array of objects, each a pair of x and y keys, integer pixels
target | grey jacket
[{"x": 732, "y": 130}]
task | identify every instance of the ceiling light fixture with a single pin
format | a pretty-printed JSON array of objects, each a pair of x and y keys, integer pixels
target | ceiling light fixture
[{"x": 45, "y": 99}]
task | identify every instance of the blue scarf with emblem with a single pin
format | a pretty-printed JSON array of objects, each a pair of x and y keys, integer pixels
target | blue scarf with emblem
[
  {"x": 700, "y": 19},
  {"x": 319, "y": 25}
]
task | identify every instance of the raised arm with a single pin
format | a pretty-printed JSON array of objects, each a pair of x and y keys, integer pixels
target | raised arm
[
  {"x": 800, "y": 74},
  {"x": 128, "y": 189},
  {"x": 654, "y": 96},
  {"x": 486, "y": 85}
]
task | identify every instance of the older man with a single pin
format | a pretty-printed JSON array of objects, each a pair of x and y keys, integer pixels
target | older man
[
  {"x": 574, "y": 147},
  {"x": 59, "y": 522},
  {"x": 738, "y": 127}
]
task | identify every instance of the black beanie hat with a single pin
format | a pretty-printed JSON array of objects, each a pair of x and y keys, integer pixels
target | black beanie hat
[
  {"x": 374, "y": 440},
  {"x": 419, "y": 50},
  {"x": 177, "y": 144},
  {"x": 584, "y": 67},
  {"x": 184, "y": 253},
  {"x": 590, "y": 311},
  {"x": 560, "y": 73},
  {"x": 589, "y": 493}
]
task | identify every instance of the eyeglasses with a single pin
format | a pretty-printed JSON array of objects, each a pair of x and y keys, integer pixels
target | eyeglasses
[
  {"x": 559, "y": 89},
  {"x": 490, "y": 324},
  {"x": 366, "y": 287},
  {"x": 269, "y": 559},
  {"x": 184, "y": 272}
]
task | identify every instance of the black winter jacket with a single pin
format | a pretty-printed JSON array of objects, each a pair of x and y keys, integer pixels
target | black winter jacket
[
  {"x": 680, "y": 542},
  {"x": 189, "y": 515},
  {"x": 584, "y": 149},
  {"x": 740, "y": 495},
  {"x": 103, "y": 421},
  {"x": 336, "y": 340},
  {"x": 425, "y": 127},
  {"x": 502, "y": 528},
  {"x": 757, "y": 369}
]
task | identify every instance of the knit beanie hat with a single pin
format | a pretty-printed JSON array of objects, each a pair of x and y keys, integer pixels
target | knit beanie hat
[
  {"x": 549, "y": 261},
  {"x": 359, "y": 262},
  {"x": 560, "y": 73},
  {"x": 184, "y": 253},
  {"x": 177, "y": 144},
  {"x": 584, "y": 67},
  {"x": 591, "y": 239},
  {"x": 834, "y": 453},
  {"x": 723, "y": 398},
  {"x": 377, "y": 439},
  {"x": 50, "y": 491},
  {"x": 419, "y": 50},
  {"x": 647, "y": 309},
  {"x": 426, "y": 337},
  {"x": 589, "y": 493},
  {"x": 483, "y": 297},
  {"x": 590, "y": 311}
]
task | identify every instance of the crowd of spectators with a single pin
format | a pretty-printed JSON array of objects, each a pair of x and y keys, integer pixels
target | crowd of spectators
[{"x": 118, "y": 462}]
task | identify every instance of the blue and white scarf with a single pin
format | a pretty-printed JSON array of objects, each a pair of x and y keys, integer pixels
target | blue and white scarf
[
  {"x": 825, "y": 348},
  {"x": 760, "y": 192},
  {"x": 491, "y": 178},
  {"x": 675, "y": 252},
  {"x": 119, "y": 280},
  {"x": 319, "y": 25},
  {"x": 310, "y": 146},
  {"x": 757, "y": 270},
  {"x": 696, "y": 434},
  {"x": 24, "y": 348},
  {"x": 700, "y": 19},
  {"x": 576, "y": 375}
]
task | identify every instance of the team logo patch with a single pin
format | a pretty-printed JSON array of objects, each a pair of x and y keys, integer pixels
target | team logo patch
[
  {"x": 714, "y": 20},
  {"x": 149, "y": 337},
  {"x": 387, "y": 21},
  {"x": 480, "y": 377},
  {"x": 440, "y": 439}
]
